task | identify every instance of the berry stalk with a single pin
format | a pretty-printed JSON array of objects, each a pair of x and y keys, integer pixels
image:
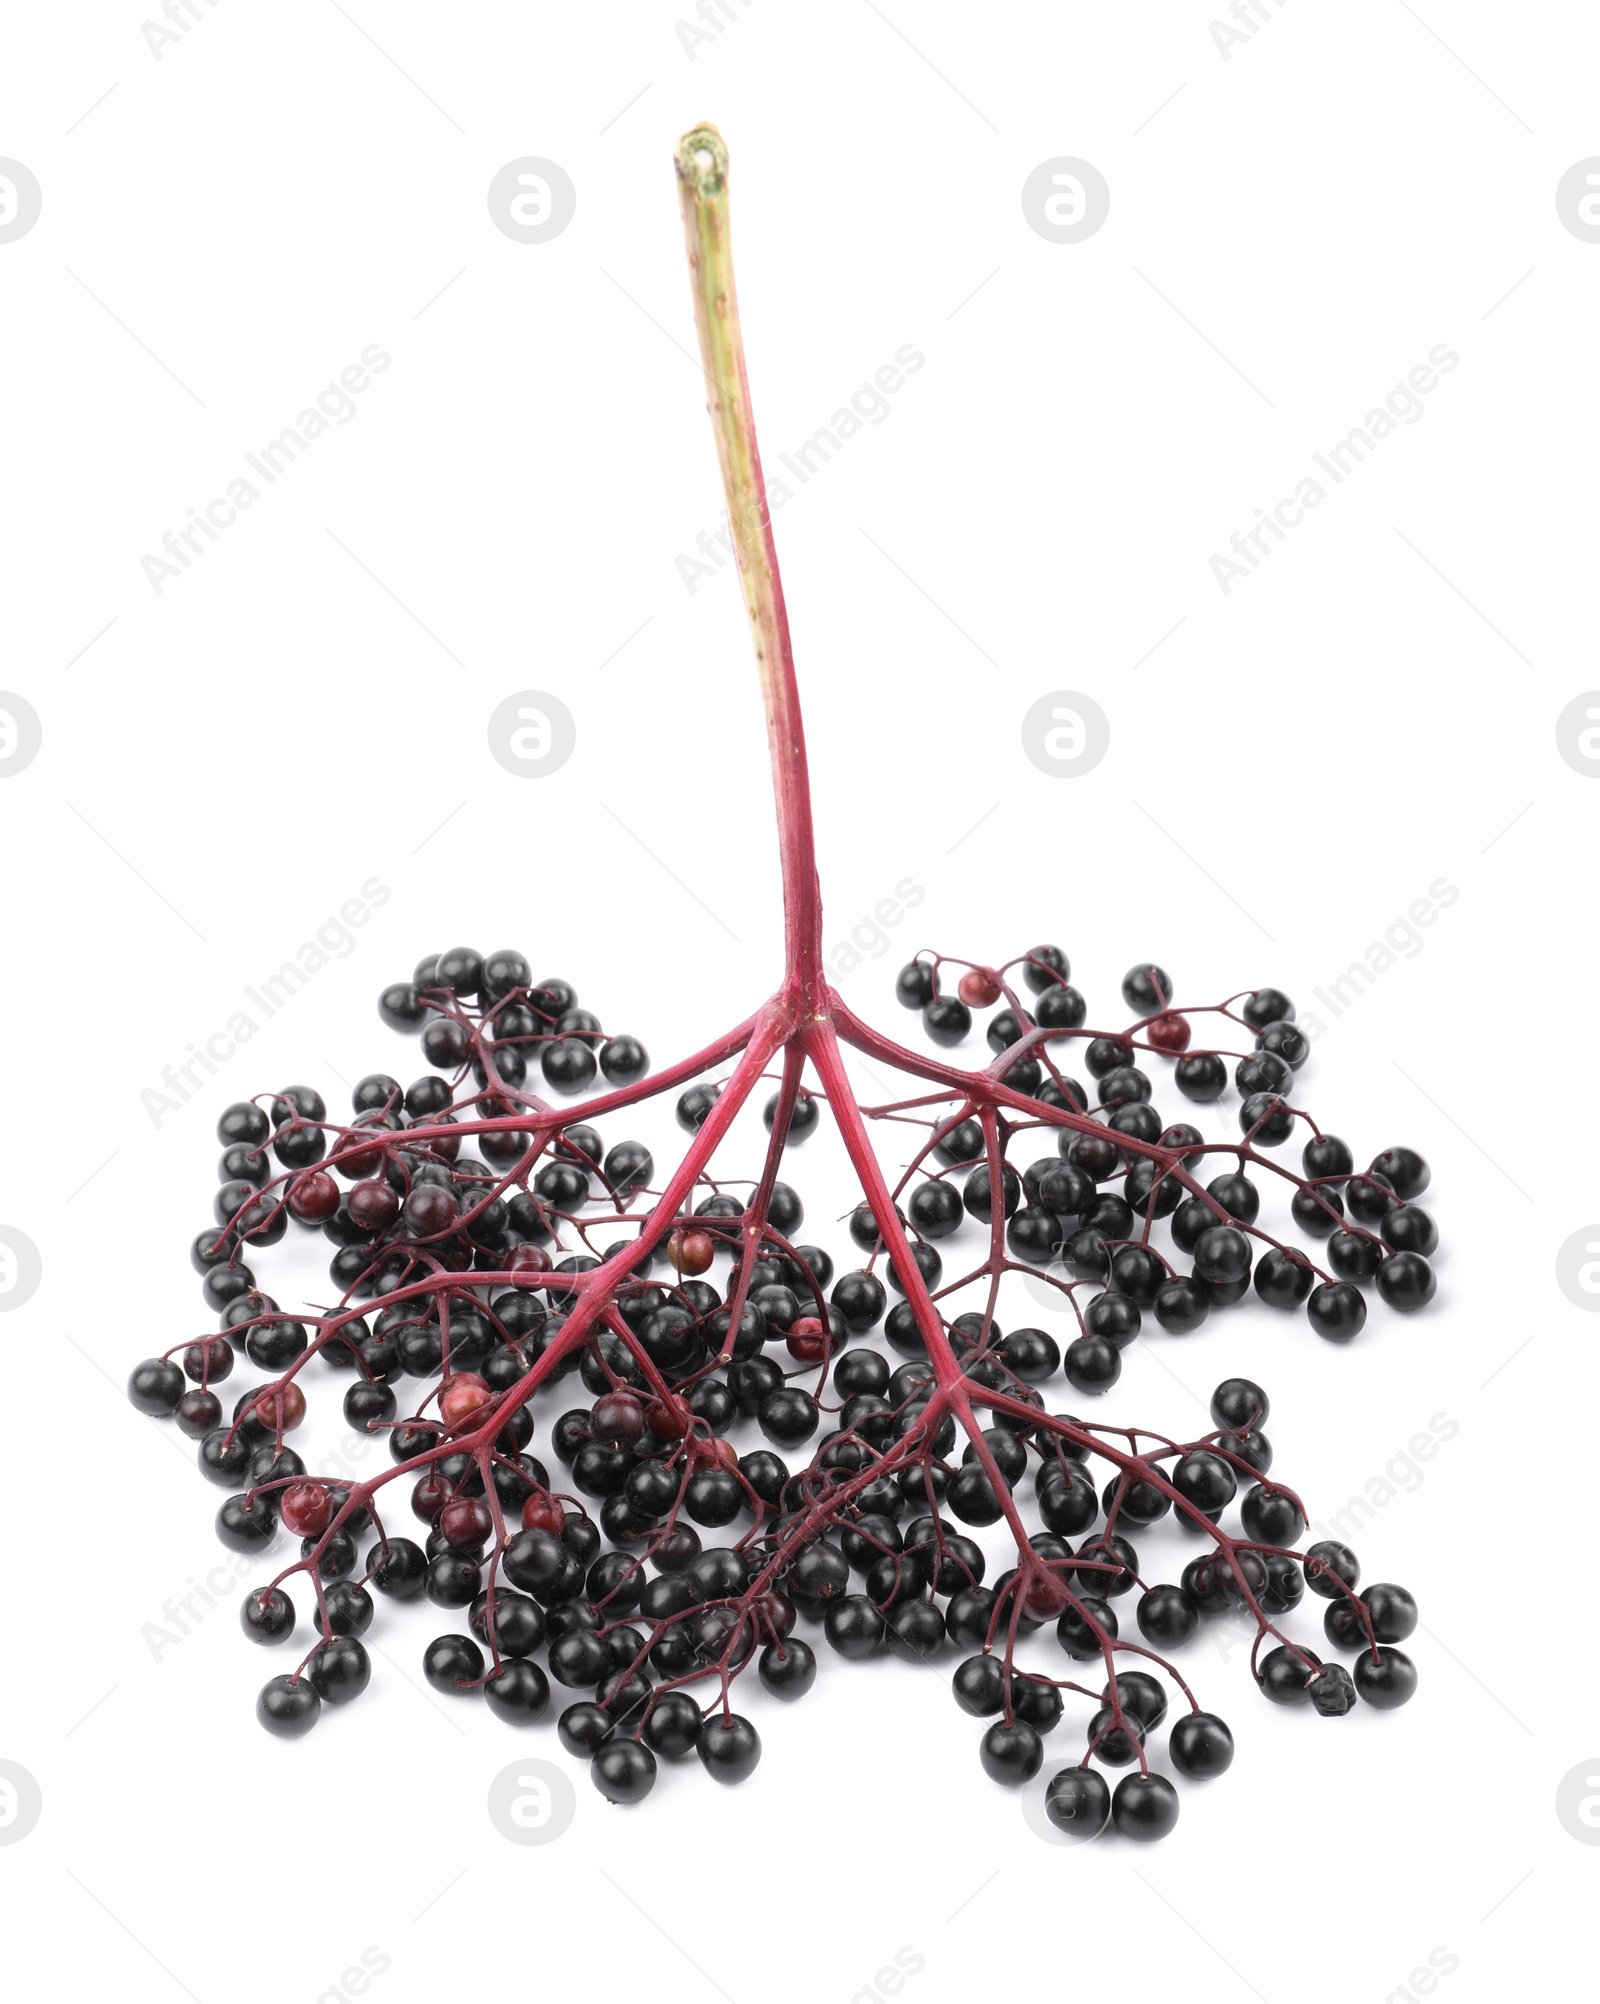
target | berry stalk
[{"x": 702, "y": 163}]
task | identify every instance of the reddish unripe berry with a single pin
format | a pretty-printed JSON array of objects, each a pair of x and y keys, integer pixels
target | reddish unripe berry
[
  {"x": 1046, "y": 1596},
  {"x": 668, "y": 1418},
  {"x": 358, "y": 1160},
  {"x": 691, "y": 1250},
  {"x": 430, "y": 1209},
  {"x": 543, "y": 1513},
  {"x": 808, "y": 1340},
  {"x": 313, "y": 1196},
  {"x": 465, "y": 1521},
  {"x": 373, "y": 1206},
  {"x": 462, "y": 1396},
  {"x": 774, "y": 1612},
  {"x": 305, "y": 1508},
  {"x": 617, "y": 1419},
  {"x": 208, "y": 1362},
  {"x": 281, "y": 1411},
  {"x": 525, "y": 1266},
  {"x": 429, "y": 1495},
  {"x": 1169, "y": 1033},
  {"x": 978, "y": 988}
]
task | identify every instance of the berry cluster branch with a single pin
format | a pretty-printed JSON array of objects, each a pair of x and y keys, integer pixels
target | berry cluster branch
[{"x": 473, "y": 1218}]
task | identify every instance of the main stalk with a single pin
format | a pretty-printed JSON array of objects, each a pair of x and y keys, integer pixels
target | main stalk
[{"x": 702, "y": 163}]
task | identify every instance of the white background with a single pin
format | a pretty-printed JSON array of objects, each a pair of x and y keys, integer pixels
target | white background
[{"x": 1292, "y": 229}]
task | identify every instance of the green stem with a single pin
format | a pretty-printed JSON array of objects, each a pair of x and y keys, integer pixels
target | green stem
[{"x": 702, "y": 163}]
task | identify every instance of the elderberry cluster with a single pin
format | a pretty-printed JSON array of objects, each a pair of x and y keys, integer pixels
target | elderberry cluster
[
  {"x": 1091, "y": 1207},
  {"x": 676, "y": 1545}
]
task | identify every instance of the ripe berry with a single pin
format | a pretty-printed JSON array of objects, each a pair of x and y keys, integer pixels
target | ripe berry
[
  {"x": 288, "y": 1707},
  {"x": 623, "y": 1770},
  {"x": 1078, "y": 1800},
  {"x": 1201, "y": 1745},
  {"x": 1011, "y": 1754},
  {"x": 1145, "y": 1807},
  {"x": 1387, "y": 1680}
]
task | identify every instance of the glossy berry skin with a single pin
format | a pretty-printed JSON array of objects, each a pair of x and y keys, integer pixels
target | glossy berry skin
[
  {"x": 788, "y": 1669},
  {"x": 1369, "y": 1199},
  {"x": 1409, "y": 1228},
  {"x": 287, "y": 1708},
  {"x": 1201, "y": 1745},
  {"x": 198, "y": 1413},
  {"x": 729, "y": 1747},
  {"x": 349, "y": 1606},
  {"x": 1388, "y": 1682},
  {"x": 1406, "y": 1282},
  {"x": 623, "y": 1059},
  {"x": 583, "y": 1729},
  {"x": 399, "y": 1570},
  {"x": 1115, "y": 1745},
  {"x": 935, "y": 1209},
  {"x": 1327, "y": 1563},
  {"x": 1075, "y": 1635},
  {"x": 1285, "y": 1674},
  {"x": 1407, "y": 1174},
  {"x": 915, "y": 985},
  {"x": 1044, "y": 967},
  {"x": 268, "y": 1616},
  {"x": 1336, "y": 1311},
  {"x": 245, "y": 1524},
  {"x": 1317, "y": 1212},
  {"x": 1201, "y": 1076},
  {"x": 980, "y": 1687},
  {"x": 155, "y": 1387},
  {"x": 1283, "y": 1280},
  {"x": 1011, "y": 1755},
  {"x": 1114, "y": 1316},
  {"x": 1271, "y": 1516},
  {"x": 1240, "y": 1403},
  {"x": 1283, "y": 1040},
  {"x": 1266, "y": 1119},
  {"x": 1285, "y": 1587},
  {"x": 1147, "y": 988},
  {"x": 452, "y": 1662},
  {"x": 519, "y": 1625},
  {"x": 1092, "y": 1364},
  {"x": 623, "y": 1770},
  {"x": 1267, "y": 1005},
  {"x": 1205, "y": 1480},
  {"x": 341, "y": 1670},
  {"x": 1393, "y": 1611},
  {"x": 948, "y": 1021},
  {"x": 1167, "y": 1617},
  {"x": 518, "y": 1692},
  {"x": 1078, "y": 1801},
  {"x": 1141, "y": 1696},
  {"x": 1145, "y": 1807},
  {"x": 1181, "y": 1306}
]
